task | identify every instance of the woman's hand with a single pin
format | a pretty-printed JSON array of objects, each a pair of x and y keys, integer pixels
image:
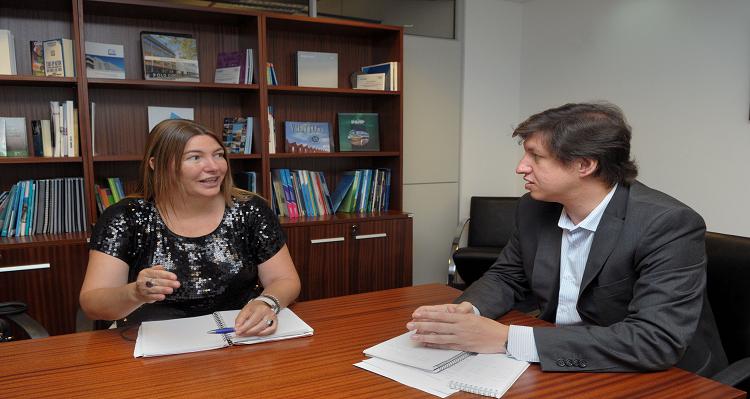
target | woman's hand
[
  {"x": 256, "y": 318},
  {"x": 154, "y": 284}
]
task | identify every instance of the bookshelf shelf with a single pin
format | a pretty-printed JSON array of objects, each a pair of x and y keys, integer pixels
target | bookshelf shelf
[
  {"x": 378, "y": 154},
  {"x": 329, "y": 91},
  {"x": 25, "y": 80},
  {"x": 38, "y": 160},
  {"x": 159, "y": 84},
  {"x": 42, "y": 239}
]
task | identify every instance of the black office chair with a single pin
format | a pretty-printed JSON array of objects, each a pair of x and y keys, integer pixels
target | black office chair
[
  {"x": 16, "y": 313},
  {"x": 728, "y": 290},
  {"x": 491, "y": 222}
]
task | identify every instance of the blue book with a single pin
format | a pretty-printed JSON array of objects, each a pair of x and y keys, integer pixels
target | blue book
[
  {"x": 345, "y": 183},
  {"x": 307, "y": 137},
  {"x": 8, "y": 211}
]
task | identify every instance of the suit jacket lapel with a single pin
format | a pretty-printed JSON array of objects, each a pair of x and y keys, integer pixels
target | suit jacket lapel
[
  {"x": 546, "y": 276},
  {"x": 607, "y": 235}
]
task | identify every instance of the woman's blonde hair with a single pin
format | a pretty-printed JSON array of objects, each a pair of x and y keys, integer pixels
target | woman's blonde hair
[{"x": 165, "y": 146}]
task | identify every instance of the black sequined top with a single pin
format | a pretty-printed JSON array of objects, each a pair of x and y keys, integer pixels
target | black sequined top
[{"x": 218, "y": 271}]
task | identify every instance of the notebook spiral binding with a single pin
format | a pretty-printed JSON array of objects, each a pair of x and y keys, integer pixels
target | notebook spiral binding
[
  {"x": 450, "y": 362},
  {"x": 484, "y": 391},
  {"x": 220, "y": 323}
]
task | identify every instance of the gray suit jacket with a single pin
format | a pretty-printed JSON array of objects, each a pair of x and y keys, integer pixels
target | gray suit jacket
[{"x": 642, "y": 294}]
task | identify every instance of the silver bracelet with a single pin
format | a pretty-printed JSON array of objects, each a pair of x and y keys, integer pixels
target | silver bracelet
[{"x": 274, "y": 299}]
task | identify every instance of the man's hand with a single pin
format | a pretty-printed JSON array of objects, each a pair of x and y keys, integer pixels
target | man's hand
[{"x": 456, "y": 327}]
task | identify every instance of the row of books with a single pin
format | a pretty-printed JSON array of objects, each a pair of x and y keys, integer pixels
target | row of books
[
  {"x": 299, "y": 193},
  {"x": 53, "y": 57},
  {"x": 55, "y": 137},
  {"x": 357, "y": 132},
  {"x": 106, "y": 196},
  {"x": 47, "y": 206},
  {"x": 362, "y": 191}
]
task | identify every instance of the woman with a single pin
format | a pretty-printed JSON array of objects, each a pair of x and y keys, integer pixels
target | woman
[{"x": 191, "y": 244}]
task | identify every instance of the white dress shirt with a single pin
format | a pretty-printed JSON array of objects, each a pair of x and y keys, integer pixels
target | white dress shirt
[{"x": 574, "y": 251}]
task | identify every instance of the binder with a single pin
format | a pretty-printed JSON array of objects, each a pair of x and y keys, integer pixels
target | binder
[{"x": 403, "y": 350}]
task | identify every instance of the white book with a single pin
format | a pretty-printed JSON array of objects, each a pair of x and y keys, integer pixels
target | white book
[
  {"x": 371, "y": 81},
  {"x": 191, "y": 334},
  {"x": 316, "y": 69},
  {"x": 70, "y": 129},
  {"x": 7, "y": 53},
  {"x": 58, "y": 58},
  {"x": 249, "y": 66},
  {"x": 158, "y": 114},
  {"x": 46, "y": 138},
  {"x": 16, "y": 141},
  {"x": 3, "y": 147}
]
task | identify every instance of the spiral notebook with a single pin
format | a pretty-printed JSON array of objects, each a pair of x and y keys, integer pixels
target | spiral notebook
[
  {"x": 487, "y": 374},
  {"x": 170, "y": 337},
  {"x": 403, "y": 350}
]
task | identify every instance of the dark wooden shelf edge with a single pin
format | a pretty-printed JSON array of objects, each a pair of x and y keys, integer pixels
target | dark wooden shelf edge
[
  {"x": 283, "y": 89},
  {"x": 26, "y": 160},
  {"x": 42, "y": 240},
  {"x": 342, "y": 218},
  {"x": 372, "y": 154},
  {"x": 166, "y": 84},
  {"x": 28, "y": 80}
]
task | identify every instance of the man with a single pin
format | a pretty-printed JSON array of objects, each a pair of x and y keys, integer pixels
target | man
[{"x": 617, "y": 266}]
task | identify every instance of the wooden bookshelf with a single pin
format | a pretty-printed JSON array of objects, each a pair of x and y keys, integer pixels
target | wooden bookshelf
[{"x": 121, "y": 125}]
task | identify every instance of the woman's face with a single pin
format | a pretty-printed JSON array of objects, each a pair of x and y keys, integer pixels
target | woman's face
[{"x": 203, "y": 167}]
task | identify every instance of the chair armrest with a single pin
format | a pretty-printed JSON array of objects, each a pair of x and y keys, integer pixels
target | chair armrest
[
  {"x": 454, "y": 280},
  {"x": 735, "y": 373},
  {"x": 29, "y": 325}
]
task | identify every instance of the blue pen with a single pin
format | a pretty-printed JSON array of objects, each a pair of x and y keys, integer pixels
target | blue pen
[{"x": 221, "y": 331}]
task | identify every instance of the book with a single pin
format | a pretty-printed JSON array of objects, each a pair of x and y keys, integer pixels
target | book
[
  {"x": 158, "y": 114},
  {"x": 230, "y": 67},
  {"x": 271, "y": 75},
  {"x": 47, "y": 150},
  {"x": 316, "y": 69},
  {"x": 7, "y": 53},
  {"x": 271, "y": 131},
  {"x": 370, "y": 81},
  {"x": 234, "y": 67},
  {"x": 307, "y": 137},
  {"x": 104, "y": 60},
  {"x": 390, "y": 69},
  {"x": 36, "y": 48},
  {"x": 170, "y": 56},
  {"x": 345, "y": 183},
  {"x": 358, "y": 132},
  {"x": 237, "y": 135},
  {"x": 170, "y": 337},
  {"x": 3, "y": 146},
  {"x": 402, "y": 350},
  {"x": 487, "y": 374},
  {"x": 36, "y": 138},
  {"x": 59, "y": 58},
  {"x": 16, "y": 142}
]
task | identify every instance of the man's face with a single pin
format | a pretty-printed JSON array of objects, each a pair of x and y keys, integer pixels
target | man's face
[{"x": 547, "y": 178}]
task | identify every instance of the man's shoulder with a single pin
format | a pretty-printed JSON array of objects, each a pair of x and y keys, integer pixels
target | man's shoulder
[{"x": 642, "y": 196}]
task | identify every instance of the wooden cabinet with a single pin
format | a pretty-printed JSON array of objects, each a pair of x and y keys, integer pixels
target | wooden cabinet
[
  {"x": 363, "y": 261},
  {"x": 48, "y": 279},
  {"x": 352, "y": 256}
]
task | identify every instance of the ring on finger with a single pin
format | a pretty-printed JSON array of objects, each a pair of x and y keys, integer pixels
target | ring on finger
[
  {"x": 150, "y": 283},
  {"x": 269, "y": 322}
]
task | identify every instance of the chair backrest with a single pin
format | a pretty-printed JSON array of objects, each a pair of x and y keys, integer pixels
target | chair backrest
[
  {"x": 728, "y": 289},
  {"x": 492, "y": 221}
]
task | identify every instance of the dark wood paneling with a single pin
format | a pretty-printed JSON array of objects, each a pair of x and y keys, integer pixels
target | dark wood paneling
[{"x": 52, "y": 294}]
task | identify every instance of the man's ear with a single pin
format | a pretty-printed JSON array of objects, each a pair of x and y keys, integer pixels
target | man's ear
[
  {"x": 151, "y": 163},
  {"x": 586, "y": 166}
]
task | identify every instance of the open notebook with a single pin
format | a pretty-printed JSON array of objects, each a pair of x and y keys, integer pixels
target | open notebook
[
  {"x": 403, "y": 350},
  {"x": 169, "y": 337}
]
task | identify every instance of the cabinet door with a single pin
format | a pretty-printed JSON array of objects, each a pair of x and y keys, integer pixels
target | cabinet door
[
  {"x": 320, "y": 254},
  {"x": 381, "y": 254},
  {"x": 48, "y": 279}
]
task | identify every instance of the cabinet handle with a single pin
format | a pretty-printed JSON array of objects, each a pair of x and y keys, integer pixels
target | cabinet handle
[
  {"x": 325, "y": 240},
  {"x": 24, "y": 267},
  {"x": 367, "y": 236}
]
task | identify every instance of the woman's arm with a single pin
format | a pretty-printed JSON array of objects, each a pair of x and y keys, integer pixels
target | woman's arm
[
  {"x": 279, "y": 279},
  {"x": 107, "y": 295}
]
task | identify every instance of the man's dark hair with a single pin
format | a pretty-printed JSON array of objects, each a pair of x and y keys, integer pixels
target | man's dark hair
[{"x": 588, "y": 130}]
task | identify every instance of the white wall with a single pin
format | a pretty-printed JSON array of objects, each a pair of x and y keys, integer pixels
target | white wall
[
  {"x": 432, "y": 103},
  {"x": 491, "y": 92},
  {"x": 680, "y": 69}
]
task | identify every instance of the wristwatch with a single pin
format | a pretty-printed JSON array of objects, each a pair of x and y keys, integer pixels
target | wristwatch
[{"x": 269, "y": 300}]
